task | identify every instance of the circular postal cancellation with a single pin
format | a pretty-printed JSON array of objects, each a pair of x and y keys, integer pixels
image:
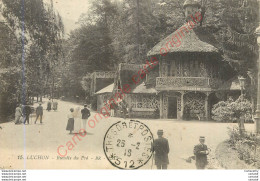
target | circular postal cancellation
[{"x": 128, "y": 144}]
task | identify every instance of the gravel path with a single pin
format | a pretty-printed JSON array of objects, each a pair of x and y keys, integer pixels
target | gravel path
[{"x": 33, "y": 140}]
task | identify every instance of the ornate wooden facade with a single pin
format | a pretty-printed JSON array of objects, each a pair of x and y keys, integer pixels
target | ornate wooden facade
[
  {"x": 184, "y": 84},
  {"x": 99, "y": 80}
]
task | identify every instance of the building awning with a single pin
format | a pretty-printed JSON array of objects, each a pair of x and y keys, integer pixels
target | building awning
[
  {"x": 108, "y": 89},
  {"x": 142, "y": 89},
  {"x": 235, "y": 85},
  {"x": 232, "y": 84}
]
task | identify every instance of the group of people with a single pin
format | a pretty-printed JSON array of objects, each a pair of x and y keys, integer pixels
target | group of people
[
  {"x": 125, "y": 111},
  {"x": 23, "y": 112},
  {"x": 161, "y": 149},
  {"x": 52, "y": 105},
  {"x": 77, "y": 119}
]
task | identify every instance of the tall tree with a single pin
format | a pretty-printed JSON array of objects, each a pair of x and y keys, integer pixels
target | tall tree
[
  {"x": 10, "y": 69},
  {"x": 137, "y": 30},
  {"x": 41, "y": 30}
]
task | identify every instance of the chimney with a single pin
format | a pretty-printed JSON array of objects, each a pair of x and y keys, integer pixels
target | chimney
[{"x": 192, "y": 9}]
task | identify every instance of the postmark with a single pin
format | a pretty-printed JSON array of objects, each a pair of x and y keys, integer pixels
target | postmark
[{"x": 128, "y": 144}]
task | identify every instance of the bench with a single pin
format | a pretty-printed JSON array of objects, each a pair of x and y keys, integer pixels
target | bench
[{"x": 143, "y": 109}]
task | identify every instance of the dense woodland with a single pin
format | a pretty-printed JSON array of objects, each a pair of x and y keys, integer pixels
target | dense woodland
[{"x": 113, "y": 31}]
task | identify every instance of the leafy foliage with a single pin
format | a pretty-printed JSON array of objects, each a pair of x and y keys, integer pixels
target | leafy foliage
[
  {"x": 10, "y": 67},
  {"x": 37, "y": 32},
  {"x": 232, "y": 111},
  {"x": 247, "y": 146}
]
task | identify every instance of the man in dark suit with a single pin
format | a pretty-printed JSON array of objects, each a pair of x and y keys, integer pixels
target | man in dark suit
[
  {"x": 27, "y": 111},
  {"x": 201, "y": 151},
  {"x": 39, "y": 113},
  {"x": 161, "y": 149}
]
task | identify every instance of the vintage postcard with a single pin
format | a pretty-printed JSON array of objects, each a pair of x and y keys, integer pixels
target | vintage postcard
[{"x": 129, "y": 84}]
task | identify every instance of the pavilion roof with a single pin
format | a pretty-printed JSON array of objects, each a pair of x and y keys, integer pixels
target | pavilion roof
[{"x": 195, "y": 40}]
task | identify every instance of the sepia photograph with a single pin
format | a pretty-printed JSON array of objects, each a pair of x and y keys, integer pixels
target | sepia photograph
[{"x": 130, "y": 84}]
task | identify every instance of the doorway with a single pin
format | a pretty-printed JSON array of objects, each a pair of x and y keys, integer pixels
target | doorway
[{"x": 172, "y": 107}]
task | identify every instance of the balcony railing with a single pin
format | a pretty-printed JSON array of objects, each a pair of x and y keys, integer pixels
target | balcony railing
[{"x": 186, "y": 83}]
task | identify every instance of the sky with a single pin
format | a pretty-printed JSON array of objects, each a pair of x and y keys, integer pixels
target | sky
[{"x": 70, "y": 11}]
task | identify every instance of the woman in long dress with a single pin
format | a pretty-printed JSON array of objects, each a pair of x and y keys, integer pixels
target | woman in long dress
[
  {"x": 49, "y": 105},
  {"x": 18, "y": 114},
  {"x": 77, "y": 123},
  {"x": 70, "y": 124},
  {"x": 55, "y": 105}
]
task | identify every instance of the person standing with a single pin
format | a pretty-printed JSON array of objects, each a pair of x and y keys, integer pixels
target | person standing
[
  {"x": 49, "y": 105},
  {"x": 39, "y": 113},
  {"x": 161, "y": 149},
  {"x": 85, "y": 115},
  {"x": 70, "y": 124},
  {"x": 130, "y": 112},
  {"x": 124, "y": 109},
  {"x": 156, "y": 113},
  {"x": 112, "y": 109},
  {"x": 55, "y": 105},
  {"x": 201, "y": 151},
  {"x": 77, "y": 98},
  {"x": 27, "y": 111},
  {"x": 18, "y": 114}
]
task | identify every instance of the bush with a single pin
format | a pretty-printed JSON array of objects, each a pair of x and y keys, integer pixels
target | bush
[
  {"x": 232, "y": 111},
  {"x": 248, "y": 146}
]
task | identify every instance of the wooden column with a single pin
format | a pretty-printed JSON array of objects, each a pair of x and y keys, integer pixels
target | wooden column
[
  {"x": 165, "y": 105},
  {"x": 207, "y": 106},
  {"x": 161, "y": 106},
  {"x": 257, "y": 116},
  {"x": 182, "y": 104}
]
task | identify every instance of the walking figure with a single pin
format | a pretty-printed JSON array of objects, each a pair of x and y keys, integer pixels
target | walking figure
[
  {"x": 161, "y": 149},
  {"x": 85, "y": 115},
  {"x": 201, "y": 151},
  {"x": 55, "y": 105},
  {"x": 49, "y": 105},
  {"x": 70, "y": 124},
  {"x": 18, "y": 114},
  {"x": 27, "y": 111},
  {"x": 39, "y": 113}
]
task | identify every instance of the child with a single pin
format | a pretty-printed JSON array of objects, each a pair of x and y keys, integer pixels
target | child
[{"x": 70, "y": 124}]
